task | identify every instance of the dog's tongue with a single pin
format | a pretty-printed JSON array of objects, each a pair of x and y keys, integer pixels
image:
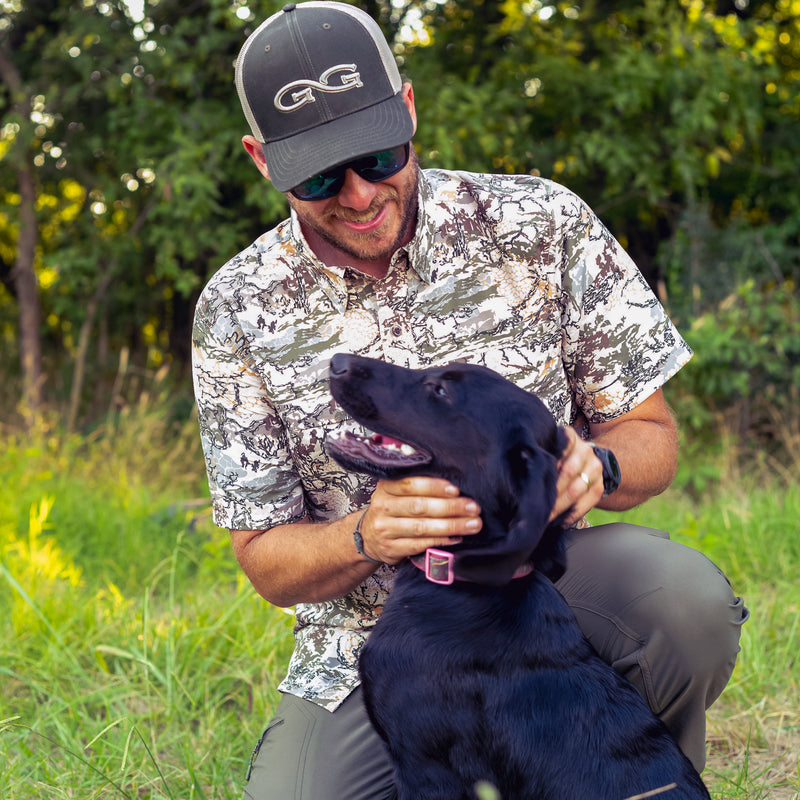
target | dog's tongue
[
  {"x": 387, "y": 449},
  {"x": 387, "y": 441}
]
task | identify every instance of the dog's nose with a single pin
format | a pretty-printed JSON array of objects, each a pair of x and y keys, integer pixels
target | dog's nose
[{"x": 340, "y": 365}]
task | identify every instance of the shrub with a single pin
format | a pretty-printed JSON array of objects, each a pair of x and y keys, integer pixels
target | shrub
[{"x": 746, "y": 371}]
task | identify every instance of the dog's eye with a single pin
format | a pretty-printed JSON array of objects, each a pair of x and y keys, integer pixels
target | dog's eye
[{"x": 439, "y": 390}]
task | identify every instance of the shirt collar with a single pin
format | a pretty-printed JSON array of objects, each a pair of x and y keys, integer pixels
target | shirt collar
[{"x": 421, "y": 247}]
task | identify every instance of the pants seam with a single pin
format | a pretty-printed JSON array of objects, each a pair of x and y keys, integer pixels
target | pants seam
[
  {"x": 302, "y": 761},
  {"x": 641, "y": 662}
]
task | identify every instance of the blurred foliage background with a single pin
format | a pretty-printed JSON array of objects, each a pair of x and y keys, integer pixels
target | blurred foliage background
[{"x": 123, "y": 184}]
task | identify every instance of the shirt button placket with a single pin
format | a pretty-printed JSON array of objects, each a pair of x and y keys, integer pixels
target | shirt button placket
[{"x": 393, "y": 318}]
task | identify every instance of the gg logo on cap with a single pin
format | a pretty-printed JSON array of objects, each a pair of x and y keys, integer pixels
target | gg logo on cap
[{"x": 350, "y": 81}]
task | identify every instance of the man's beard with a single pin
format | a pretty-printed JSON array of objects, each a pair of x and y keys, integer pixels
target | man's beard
[{"x": 361, "y": 246}]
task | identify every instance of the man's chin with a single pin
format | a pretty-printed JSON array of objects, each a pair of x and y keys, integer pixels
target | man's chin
[
  {"x": 370, "y": 246},
  {"x": 378, "y": 244}
]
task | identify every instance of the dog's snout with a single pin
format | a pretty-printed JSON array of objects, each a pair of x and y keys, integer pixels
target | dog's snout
[
  {"x": 349, "y": 366},
  {"x": 340, "y": 364}
]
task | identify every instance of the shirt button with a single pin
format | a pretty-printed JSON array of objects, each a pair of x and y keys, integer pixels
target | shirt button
[{"x": 397, "y": 331}]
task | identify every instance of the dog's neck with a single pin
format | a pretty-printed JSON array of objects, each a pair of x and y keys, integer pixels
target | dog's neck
[{"x": 439, "y": 567}]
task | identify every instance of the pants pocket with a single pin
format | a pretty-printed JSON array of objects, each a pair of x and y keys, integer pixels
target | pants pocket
[{"x": 257, "y": 748}]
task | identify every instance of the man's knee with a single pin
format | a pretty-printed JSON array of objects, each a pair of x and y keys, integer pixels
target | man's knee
[
  {"x": 699, "y": 618},
  {"x": 663, "y": 615},
  {"x": 690, "y": 651},
  {"x": 633, "y": 587}
]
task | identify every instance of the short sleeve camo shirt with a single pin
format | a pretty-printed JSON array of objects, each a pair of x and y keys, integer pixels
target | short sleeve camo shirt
[{"x": 512, "y": 272}]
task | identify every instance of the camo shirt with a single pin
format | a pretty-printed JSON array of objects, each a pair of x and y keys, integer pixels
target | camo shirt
[{"x": 512, "y": 272}]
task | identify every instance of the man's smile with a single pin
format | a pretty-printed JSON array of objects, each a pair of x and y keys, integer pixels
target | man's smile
[{"x": 369, "y": 223}]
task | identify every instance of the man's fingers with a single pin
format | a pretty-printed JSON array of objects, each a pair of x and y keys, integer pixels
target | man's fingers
[
  {"x": 407, "y": 516},
  {"x": 580, "y": 480},
  {"x": 425, "y": 517},
  {"x": 419, "y": 487},
  {"x": 439, "y": 527},
  {"x": 422, "y": 497}
]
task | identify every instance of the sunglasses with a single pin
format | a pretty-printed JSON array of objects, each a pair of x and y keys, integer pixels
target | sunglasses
[{"x": 373, "y": 168}]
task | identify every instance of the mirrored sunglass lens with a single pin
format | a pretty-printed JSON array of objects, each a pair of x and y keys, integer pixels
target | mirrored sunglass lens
[
  {"x": 320, "y": 186},
  {"x": 382, "y": 165}
]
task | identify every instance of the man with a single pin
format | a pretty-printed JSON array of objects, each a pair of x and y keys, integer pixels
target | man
[{"x": 421, "y": 268}]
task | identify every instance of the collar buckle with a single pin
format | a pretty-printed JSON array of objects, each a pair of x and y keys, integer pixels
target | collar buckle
[{"x": 439, "y": 566}]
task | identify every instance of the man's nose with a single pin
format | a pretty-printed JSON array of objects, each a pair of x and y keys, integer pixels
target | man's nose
[{"x": 356, "y": 192}]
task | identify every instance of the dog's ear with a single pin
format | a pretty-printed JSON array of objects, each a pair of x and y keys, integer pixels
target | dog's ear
[
  {"x": 561, "y": 440},
  {"x": 532, "y": 474}
]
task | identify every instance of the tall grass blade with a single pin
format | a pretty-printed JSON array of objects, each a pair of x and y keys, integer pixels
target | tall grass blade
[
  {"x": 59, "y": 746},
  {"x": 154, "y": 762},
  {"x": 12, "y": 581}
]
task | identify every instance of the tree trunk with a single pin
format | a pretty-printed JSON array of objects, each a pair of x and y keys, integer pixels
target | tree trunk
[
  {"x": 27, "y": 289},
  {"x": 23, "y": 274},
  {"x": 83, "y": 348}
]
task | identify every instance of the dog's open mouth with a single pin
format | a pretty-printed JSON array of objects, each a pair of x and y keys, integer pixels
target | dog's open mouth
[{"x": 383, "y": 451}]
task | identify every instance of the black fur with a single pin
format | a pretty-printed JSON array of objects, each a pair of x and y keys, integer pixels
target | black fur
[{"x": 490, "y": 679}]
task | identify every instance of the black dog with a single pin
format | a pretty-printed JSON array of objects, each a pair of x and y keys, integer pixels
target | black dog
[{"x": 477, "y": 672}]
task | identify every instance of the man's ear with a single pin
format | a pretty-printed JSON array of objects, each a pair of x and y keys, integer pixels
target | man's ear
[
  {"x": 253, "y": 148},
  {"x": 408, "y": 98}
]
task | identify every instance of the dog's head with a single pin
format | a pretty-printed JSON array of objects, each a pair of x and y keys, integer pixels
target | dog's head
[{"x": 498, "y": 443}]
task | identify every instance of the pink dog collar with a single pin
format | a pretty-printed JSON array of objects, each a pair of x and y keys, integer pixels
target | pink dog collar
[{"x": 438, "y": 567}]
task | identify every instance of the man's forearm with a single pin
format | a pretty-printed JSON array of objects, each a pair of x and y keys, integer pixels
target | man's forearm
[
  {"x": 645, "y": 443},
  {"x": 647, "y": 455},
  {"x": 302, "y": 562}
]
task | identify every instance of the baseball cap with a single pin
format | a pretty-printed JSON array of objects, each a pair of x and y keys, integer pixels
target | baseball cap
[{"x": 319, "y": 86}]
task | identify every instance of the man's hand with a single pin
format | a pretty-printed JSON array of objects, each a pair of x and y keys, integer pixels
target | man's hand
[
  {"x": 407, "y": 516},
  {"x": 580, "y": 480},
  {"x": 645, "y": 443}
]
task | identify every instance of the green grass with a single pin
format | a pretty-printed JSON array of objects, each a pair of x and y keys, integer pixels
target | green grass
[{"x": 136, "y": 661}]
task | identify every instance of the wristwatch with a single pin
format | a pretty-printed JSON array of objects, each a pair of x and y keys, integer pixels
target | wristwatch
[{"x": 612, "y": 474}]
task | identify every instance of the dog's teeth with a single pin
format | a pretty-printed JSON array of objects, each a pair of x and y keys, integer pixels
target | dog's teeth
[{"x": 385, "y": 443}]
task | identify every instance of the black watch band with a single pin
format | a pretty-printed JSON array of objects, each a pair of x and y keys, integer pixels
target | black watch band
[{"x": 612, "y": 475}]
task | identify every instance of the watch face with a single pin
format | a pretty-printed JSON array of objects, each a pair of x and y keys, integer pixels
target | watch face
[
  {"x": 611, "y": 471},
  {"x": 614, "y": 467}
]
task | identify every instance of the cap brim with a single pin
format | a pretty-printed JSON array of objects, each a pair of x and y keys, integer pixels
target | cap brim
[{"x": 295, "y": 159}]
